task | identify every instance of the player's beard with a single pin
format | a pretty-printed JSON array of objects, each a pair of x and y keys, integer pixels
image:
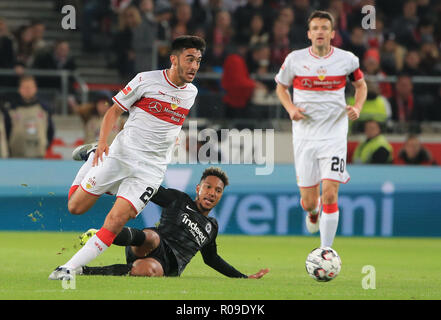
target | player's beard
[{"x": 181, "y": 73}]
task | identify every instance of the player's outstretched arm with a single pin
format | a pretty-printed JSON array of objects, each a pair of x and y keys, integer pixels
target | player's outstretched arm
[{"x": 259, "y": 274}]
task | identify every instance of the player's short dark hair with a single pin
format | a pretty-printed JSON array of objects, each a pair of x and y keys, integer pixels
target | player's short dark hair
[
  {"x": 321, "y": 15},
  {"x": 187, "y": 42},
  {"x": 217, "y": 172}
]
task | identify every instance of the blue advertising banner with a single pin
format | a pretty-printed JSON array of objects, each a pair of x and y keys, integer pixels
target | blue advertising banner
[{"x": 377, "y": 201}]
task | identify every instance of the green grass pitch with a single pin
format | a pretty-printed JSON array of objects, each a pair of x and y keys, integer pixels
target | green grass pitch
[{"x": 405, "y": 268}]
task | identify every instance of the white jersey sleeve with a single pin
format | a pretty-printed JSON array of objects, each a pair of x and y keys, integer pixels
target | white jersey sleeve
[
  {"x": 127, "y": 97},
  {"x": 286, "y": 73}
]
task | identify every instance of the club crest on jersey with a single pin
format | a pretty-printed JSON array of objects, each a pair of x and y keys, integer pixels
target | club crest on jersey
[
  {"x": 208, "y": 227},
  {"x": 174, "y": 106},
  {"x": 321, "y": 73}
]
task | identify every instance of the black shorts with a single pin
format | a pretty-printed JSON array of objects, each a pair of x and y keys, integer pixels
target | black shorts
[{"x": 163, "y": 254}]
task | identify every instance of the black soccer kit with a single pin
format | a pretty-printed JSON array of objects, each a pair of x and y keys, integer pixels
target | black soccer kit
[{"x": 184, "y": 231}]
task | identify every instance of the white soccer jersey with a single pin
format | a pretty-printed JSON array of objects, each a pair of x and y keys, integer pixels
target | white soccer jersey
[
  {"x": 157, "y": 109},
  {"x": 319, "y": 87}
]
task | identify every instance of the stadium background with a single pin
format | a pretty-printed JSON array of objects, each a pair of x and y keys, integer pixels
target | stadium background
[{"x": 380, "y": 200}]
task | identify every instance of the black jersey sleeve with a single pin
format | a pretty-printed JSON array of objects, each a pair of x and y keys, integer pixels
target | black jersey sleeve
[
  {"x": 212, "y": 259},
  {"x": 164, "y": 197}
]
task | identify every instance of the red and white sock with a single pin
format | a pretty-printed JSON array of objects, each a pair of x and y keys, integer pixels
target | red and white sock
[
  {"x": 92, "y": 249},
  {"x": 328, "y": 224}
]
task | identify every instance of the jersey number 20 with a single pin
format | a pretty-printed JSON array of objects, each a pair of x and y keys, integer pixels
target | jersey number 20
[{"x": 338, "y": 164}]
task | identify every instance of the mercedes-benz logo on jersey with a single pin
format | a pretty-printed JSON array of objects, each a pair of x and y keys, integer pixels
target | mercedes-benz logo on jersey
[
  {"x": 307, "y": 83},
  {"x": 155, "y": 106}
]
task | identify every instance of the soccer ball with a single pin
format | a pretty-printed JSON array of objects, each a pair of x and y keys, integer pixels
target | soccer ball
[{"x": 323, "y": 264}]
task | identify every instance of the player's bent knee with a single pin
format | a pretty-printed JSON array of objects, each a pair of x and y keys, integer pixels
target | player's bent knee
[
  {"x": 146, "y": 268},
  {"x": 75, "y": 208}
]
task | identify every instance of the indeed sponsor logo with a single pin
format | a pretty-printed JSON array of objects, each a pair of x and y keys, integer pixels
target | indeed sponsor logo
[{"x": 194, "y": 229}]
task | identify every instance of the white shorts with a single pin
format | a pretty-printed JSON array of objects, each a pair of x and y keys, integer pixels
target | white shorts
[
  {"x": 317, "y": 160},
  {"x": 117, "y": 177}
]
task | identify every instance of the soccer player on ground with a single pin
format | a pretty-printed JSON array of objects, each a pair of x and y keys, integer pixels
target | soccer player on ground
[
  {"x": 133, "y": 167},
  {"x": 319, "y": 117},
  {"x": 184, "y": 229}
]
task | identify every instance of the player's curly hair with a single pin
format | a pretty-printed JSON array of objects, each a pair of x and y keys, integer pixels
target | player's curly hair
[
  {"x": 187, "y": 42},
  {"x": 217, "y": 172}
]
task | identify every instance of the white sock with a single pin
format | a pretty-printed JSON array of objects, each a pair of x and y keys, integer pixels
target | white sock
[
  {"x": 92, "y": 249},
  {"x": 328, "y": 228},
  {"x": 83, "y": 170}
]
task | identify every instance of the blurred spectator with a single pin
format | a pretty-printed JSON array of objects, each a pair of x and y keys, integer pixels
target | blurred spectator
[
  {"x": 375, "y": 108},
  {"x": 302, "y": 10},
  {"x": 38, "y": 30},
  {"x": 25, "y": 52},
  {"x": 424, "y": 31},
  {"x": 412, "y": 62},
  {"x": 95, "y": 20},
  {"x": 219, "y": 37},
  {"x": 336, "y": 8},
  {"x": 392, "y": 55},
  {"x": 244, "y": 14},
  {"x": 405, "y": 109},
  {"x": 255, "y": 32},
  {"x": 279, "y": 42},
  {"x": 4, "y": 148},
  {"x": 92, "y": 114},
  {"x": 259, "y": 61},
  {"x": 129, "y": 19},
  {"x": 357, "y": 42},
  {"x": 372, "y": 67},
  {"x": 238, "y": 87},
  {"x": 405, "y": 25},
  {"x": 430, "y": 59},
  {"x": 28, "y": 122},
  {"x": 297, "y": 34},
  {"x": 413, "y": 153},
  {"x": 6, "y": 46},
  {"x": 144, "y": 37},
  {"x": 8, "y": 60},
  {"x": 375, "y": 149},
  {"x": 182, "y": 19},
  {"x": 57, "y": 59}
]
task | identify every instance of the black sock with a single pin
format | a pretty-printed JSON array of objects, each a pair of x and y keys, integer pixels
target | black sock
[
  {"x": 112, "y": 270},
  {"x": 129, "y": 237}
]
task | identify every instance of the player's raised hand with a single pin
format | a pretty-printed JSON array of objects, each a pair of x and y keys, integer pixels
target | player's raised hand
[
  {"x": 353, "y": 112},
  {"x": 296, "y": 114},
  {"x": 102, "y": 148},
  {"x": 259, "y": 274}
]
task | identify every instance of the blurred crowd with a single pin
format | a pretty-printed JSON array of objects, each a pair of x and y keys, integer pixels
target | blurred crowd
[{"x": 247, "y": 42}]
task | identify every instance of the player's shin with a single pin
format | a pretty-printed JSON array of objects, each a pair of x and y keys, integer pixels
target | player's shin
[
  {"x": 328, "y": 224},
  {"x": 130, "y": 237},
  {"x": 92, "y": 249}
]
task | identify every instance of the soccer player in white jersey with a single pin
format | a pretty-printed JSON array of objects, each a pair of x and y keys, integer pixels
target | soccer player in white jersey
[
  {"x": 319, "y": 117},
  {"x": 133, "y": 167}
]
